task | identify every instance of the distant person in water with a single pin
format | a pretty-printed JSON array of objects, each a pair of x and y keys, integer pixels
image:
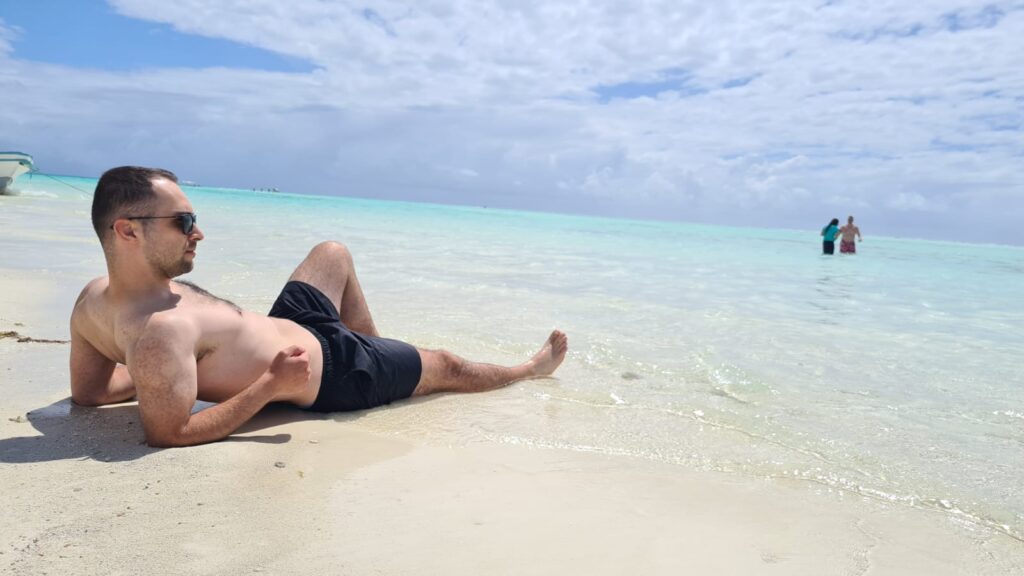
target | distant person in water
[
  {"x": 848, "y": 232},
  {"x": 137, "y": 333},
  {"x": 829, "y": 232}
]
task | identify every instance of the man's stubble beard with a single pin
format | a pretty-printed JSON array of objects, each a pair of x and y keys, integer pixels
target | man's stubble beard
[{"x": 171, "y": 268}]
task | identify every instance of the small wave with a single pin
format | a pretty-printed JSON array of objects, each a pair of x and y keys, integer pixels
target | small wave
[
  {"x": 34, "y": 193},
  {"x": 724, "y": 392},
  {"x": 616, "y": 400},
  {"x": 914, "y": 501},
  {"x": 1009, "y": 413},
  {"x": 831, "y": 480}
]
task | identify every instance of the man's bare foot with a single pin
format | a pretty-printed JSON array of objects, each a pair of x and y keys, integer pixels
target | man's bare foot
[{"x": 550, "y": 355}]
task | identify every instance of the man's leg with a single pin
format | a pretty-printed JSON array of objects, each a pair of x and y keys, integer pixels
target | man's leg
[
  {"x": 446, "y": 372},
  {"x": 330, "y": 269}
]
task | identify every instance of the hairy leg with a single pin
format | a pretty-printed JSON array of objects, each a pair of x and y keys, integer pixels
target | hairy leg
[
  {"x": 329, "y": 267},
  {"x": 446, "y": 372}
]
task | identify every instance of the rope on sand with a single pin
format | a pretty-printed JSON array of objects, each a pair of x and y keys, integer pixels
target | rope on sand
[{"x": 59, "y": 180}]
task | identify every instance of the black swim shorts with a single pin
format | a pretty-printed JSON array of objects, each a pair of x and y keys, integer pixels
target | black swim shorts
[{"x": 359, "y": 371}]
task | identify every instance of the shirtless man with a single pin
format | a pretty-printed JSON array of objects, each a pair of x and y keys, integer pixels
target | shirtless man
[
  {"x": 137, "y": 333},
  {"x": 847, "y": 233}
]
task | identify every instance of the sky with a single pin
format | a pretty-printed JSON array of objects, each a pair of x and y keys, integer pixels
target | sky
[{"x": 908, "y": 115}]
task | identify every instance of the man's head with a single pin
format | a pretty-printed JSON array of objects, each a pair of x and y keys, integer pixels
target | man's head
[
  {"x": 124, "y": 191},
  {"x": 142, "y": 210},
  {"x": 849, "y": 219}
]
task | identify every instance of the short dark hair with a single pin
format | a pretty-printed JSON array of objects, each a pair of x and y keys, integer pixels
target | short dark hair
[{"x": 121, "y": 191}]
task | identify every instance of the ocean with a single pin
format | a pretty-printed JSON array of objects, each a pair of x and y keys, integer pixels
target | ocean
[{"x": 892, "y": 375}]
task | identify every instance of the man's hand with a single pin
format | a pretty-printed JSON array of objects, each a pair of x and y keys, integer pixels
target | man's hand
[{"x": 289, "y": 372}]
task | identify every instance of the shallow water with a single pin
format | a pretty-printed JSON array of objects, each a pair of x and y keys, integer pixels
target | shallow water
[{"x": 893, "y": 374}]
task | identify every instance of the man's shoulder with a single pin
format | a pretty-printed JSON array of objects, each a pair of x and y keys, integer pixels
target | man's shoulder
[
  {"x": 166, "y": 328},
  {"x": 85, "y": 305},
  {"x": 95, "y": 314},
  {"x": 92, "y": 289}
]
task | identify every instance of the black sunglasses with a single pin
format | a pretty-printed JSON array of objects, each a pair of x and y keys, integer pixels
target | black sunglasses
[{"x": 187, "y": 220}]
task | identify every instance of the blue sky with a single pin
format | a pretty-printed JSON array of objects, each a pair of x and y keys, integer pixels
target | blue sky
[
  {"x": 768, "y": 113},
  {"x": 86, "y": 34}
]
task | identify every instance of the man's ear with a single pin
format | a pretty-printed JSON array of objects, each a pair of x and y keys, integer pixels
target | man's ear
[{"x": 124, "y": 229}]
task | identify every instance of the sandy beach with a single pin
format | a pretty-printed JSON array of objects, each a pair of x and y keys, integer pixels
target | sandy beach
[
  {"x": 293, "y": 493},
  {"x": 297, "y": 493},
  {"x": 745, "y": 390}
]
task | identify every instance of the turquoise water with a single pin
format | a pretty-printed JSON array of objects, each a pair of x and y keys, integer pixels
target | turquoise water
[{"x": 892, "y": 374}]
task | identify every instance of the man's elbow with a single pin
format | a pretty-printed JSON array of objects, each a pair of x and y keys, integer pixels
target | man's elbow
[
  {"x": 86, "y": 399},
  {"x": 161, "y": 443},
  {"x": 170, "y": 439},
  {"x": 92, "y": 399},
  {"x": 154, "y": 440}
]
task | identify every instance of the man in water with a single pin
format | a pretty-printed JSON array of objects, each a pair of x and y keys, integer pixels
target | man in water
[
  {"x": 137, "y": 333},
  {"x": 847, "y": 233}
]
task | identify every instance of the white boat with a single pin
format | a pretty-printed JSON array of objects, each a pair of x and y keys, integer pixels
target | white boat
[{"x": 12, "y": 165}]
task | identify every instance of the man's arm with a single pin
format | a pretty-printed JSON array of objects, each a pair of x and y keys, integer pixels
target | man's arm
[
  {"x": 164, "y": 365},
  {"x": 95, "y": 379}
]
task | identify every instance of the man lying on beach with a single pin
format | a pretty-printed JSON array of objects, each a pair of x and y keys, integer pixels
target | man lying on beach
[{"x": 136, "y": 333}]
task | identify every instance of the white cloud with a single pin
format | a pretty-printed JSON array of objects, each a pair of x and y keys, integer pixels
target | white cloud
[
  {"x": 7, "y": 34},
  {"x": 912, "y": 201},
  {"x": 880, "y": 105}
]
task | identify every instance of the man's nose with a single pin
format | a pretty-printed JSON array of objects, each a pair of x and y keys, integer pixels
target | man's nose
[{"x": 197, "y": 233}]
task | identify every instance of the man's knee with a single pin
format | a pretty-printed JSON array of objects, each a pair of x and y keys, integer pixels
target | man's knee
[
  {"x": 446, "y": 368},
  {"x": 450, "y": 366},
  {"x": 331, "y": 250},
  {"x": 442, "y": 371}
]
